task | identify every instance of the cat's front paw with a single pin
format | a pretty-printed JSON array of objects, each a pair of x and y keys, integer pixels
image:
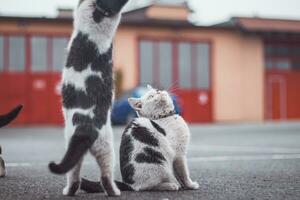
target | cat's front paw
[
  {"x": 192, "y": 186},
  {"x": 110, "y": 187},
  {"x": 71, "y": 190}
]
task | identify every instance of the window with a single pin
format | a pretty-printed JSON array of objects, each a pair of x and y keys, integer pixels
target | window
[
  {"x": 203, "y": 63},
  {"x": 146, "y": 62},
  {"x": 165, "y": 65},
  {"x": 158, "y": 64},
  {"x": 59, "y": 53},
  {"x": 39, "y": 54},
  {"x": 185, "y": 65},
  {"x": 16, "y": 53},
  {"x": 282, "y": 56},
  {"x": 1, "y": 53}
]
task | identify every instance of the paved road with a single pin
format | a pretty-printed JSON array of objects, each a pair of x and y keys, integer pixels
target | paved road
[{"x": 229, "y": 162}]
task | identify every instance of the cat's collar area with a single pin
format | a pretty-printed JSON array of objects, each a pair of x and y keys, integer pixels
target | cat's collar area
[{"x": 169, "y": 114}]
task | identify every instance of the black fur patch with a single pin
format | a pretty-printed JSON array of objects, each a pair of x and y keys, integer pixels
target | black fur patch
[
  {"x": 158, "y": 128},
  {"x": 73, "y": 189},
  {"x": 81, "y": 119},
  {"x": 6, "y": 119},
  {"x": 111, "y": 7},
  {"x": 126, "y": 148},
  {"x": 97, "y": 94},
  {"x": 80, "y": 142},
  {"x": 128, "y": 173},
  {"x": 144, "y": 135},
  {"x": 123, "y": 186},
  {"x": 97, "y": 16},
  {"x": 96, "y": 187},
  {"x": 72, "y": 98},
  {"x": 82, "y": 52},
  {"x": 150, "y": 156},
  {"x": 91, "y": 186}
]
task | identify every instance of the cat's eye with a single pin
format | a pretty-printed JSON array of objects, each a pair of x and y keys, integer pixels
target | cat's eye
[{"x": 151, "y": 96}]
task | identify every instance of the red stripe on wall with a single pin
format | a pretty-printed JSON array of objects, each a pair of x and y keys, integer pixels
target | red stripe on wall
[
  {"x": 50, "y": 54},
  {"x": 27, "y": 53},
  {"x": 156, "y": 58},
  {"x": 175, "y": 64},
  {"x": 6, "y": 53},
  {"x": 194, "y": 65}
]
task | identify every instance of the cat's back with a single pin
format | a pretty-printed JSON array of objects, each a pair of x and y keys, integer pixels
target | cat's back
[
  {"x": 141, "y": 134},
  {"x": 145, "y": 131}
]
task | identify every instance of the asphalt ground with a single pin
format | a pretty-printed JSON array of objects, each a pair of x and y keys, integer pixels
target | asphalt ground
[{"x": 245, "y": 161}]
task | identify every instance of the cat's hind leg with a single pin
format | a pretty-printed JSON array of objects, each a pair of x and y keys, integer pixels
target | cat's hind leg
[
  {"x": 73, "y": 180},
  {"x": 103, "y": 152}
]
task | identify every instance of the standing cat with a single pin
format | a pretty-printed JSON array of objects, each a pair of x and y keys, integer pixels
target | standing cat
[
  {"x": 87, "y": 93},
  {"x": 153, "y": 147},
  {"x": 5, "y": 120}
]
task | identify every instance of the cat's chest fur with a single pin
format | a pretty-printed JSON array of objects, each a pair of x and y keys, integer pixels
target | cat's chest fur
[{"x": 177, "y": 132}]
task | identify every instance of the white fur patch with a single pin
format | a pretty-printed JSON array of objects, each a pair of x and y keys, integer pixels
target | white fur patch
[{"x": 77, "y": 79}]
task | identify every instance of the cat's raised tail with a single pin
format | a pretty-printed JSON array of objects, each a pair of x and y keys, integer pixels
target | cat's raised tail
[
  {"x": 96, "y": 187},
  {"x": 83, "y": 139},
  {"x": 9, "y": 117}
]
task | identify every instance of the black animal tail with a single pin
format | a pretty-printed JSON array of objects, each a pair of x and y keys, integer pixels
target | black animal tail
[
  {"x": 6, "y": 119},
  {"x": 81, "y": 141},
  {"x": 96, "y": 187}
]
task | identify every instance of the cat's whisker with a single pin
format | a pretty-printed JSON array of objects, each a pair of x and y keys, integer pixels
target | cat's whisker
[{"x": 174, "y": 87}]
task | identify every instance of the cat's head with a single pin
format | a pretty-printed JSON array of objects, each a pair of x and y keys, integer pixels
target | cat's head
[
  {"x": 91, "y": 13},
  {"x": 154, "y": 104}
]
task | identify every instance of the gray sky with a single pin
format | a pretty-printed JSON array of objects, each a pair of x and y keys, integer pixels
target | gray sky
[{"x": 207, "y": 11}]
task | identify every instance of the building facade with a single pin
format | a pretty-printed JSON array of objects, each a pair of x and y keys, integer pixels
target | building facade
[{"x": 243, "y": 70}]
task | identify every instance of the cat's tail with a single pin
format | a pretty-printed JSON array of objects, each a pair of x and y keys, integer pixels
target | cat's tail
[
  {"x": 96, "y": 187},
  {"x": 6, "y": 119},
  {"x": 82, "y": 140}
]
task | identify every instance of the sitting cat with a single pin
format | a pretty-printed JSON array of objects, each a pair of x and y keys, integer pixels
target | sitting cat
[
  {"x": 154, "y": 146},
  {"x": 5, "y": 120}
]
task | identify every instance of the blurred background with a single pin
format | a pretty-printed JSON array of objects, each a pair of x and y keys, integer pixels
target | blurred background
[
  {"x": 232, "y": 66},
  {"x": 224, "y": 61}
]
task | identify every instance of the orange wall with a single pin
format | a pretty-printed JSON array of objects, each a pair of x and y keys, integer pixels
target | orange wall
[
  {"x": 36, "y": 27},
  {"x": 171, "y": 13},
  {"x": 237, "y": 68}
]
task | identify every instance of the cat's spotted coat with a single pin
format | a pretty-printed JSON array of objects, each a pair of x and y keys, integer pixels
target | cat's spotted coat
[
  {"x": 87, "y": 93},
  {"x": 154, "y": 146}
]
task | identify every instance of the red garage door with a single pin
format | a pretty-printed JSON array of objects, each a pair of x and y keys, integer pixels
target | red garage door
[
  {"x": 30, "y": 69},
  {"x": 282, "y": 79},
  {"x": 183, "y": 65}
]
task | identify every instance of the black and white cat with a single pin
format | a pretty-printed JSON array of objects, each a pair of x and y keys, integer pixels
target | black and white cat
[
  {"x": 153, "y": 147},
  {"x": 5, "y": 120},
  {"x": 87, "y": 93}
]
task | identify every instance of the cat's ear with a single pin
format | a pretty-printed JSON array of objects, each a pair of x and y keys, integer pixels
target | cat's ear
[
  {"x": 149, "y": 87},
  {"x": 135, "y": 103}
]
